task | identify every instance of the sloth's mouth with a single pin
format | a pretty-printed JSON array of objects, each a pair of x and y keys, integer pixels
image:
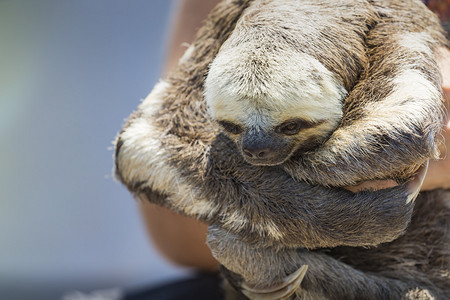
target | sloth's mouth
[
  {"x": 273, "y": 158},
  {"x": 265, "y": 162}
]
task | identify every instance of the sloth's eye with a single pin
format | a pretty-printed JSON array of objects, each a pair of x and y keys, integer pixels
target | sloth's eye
[
  {"x": 291, "y": 127},
  {"x": 231, "y": 127}
]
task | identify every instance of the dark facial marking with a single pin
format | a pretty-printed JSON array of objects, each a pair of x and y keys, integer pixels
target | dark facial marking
[
  {"x": 231, "y": 127},
  {"x": 293, "y": 126},
  {"x": 308, "y": 145}
]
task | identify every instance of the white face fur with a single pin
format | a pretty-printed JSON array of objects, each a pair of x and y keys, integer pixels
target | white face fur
[{"x": 272, "y": 101}]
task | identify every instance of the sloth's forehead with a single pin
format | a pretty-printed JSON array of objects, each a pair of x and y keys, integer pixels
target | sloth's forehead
[
  {"x": 253, "y": 73},
  {"x": 278, "y": 77},
  {"x": 239, "y": 87},
  {"x": 268, "y": 112}
]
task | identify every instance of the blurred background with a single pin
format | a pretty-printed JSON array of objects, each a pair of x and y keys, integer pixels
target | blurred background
[{"x": 70, "y": 73}]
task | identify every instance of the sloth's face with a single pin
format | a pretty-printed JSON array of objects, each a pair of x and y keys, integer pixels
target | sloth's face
[
  {"x": 275, "y": 107},
  {"x": 272, "y": 145}
]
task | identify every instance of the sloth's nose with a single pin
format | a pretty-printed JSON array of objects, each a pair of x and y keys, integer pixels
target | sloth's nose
[{"x": 256, "y": 153}]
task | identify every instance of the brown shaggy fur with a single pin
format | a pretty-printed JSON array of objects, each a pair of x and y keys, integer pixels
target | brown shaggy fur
[{"x": 267, "y": 221}]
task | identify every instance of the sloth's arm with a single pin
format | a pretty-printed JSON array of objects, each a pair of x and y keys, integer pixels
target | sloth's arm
[
  {"x": 266, "y": 206},
  {"x": 253, "y": 269},
  {"x": 394, "y": 113},
  {"x": 274, "y": 210}
]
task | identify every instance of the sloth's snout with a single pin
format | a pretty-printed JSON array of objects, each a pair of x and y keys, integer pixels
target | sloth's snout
[
  {"x": 261, "y": 148},
  {"x": 262, "y": 156},
  {"x": 257, "y": 152},
  {"x": 258, "y": 145}
]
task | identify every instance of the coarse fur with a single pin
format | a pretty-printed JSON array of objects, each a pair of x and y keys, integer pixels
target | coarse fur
[{"x": 363, "y": 75}]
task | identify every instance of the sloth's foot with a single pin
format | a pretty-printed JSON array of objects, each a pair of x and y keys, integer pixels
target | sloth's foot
[
  {"x": 412, "y": 187},
  {"x": 278, "y": 292}
]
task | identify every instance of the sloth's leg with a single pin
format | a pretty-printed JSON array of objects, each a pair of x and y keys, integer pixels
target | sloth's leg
[
  {"x": 258, "y": 272},
  {"x": 328, "y": 278},
  {"x": 271, "y": 273},
  {"x": 395, "y": 111}
]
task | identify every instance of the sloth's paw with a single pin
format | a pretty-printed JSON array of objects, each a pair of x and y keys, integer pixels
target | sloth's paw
[{"x": 277, "y": 292}]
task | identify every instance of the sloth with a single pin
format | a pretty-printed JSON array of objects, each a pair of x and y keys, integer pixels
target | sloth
[
  {"x": 276, "y": 92},
  {"x": 275, "y": 106}
]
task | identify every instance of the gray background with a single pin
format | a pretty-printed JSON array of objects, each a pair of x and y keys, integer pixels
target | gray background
[{"x": 70, "y": 73}]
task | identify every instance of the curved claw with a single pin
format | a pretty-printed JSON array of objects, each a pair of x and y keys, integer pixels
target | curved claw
[
  {"x": 281, "y": 291},
  {"x": 413, "y": 187}
]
